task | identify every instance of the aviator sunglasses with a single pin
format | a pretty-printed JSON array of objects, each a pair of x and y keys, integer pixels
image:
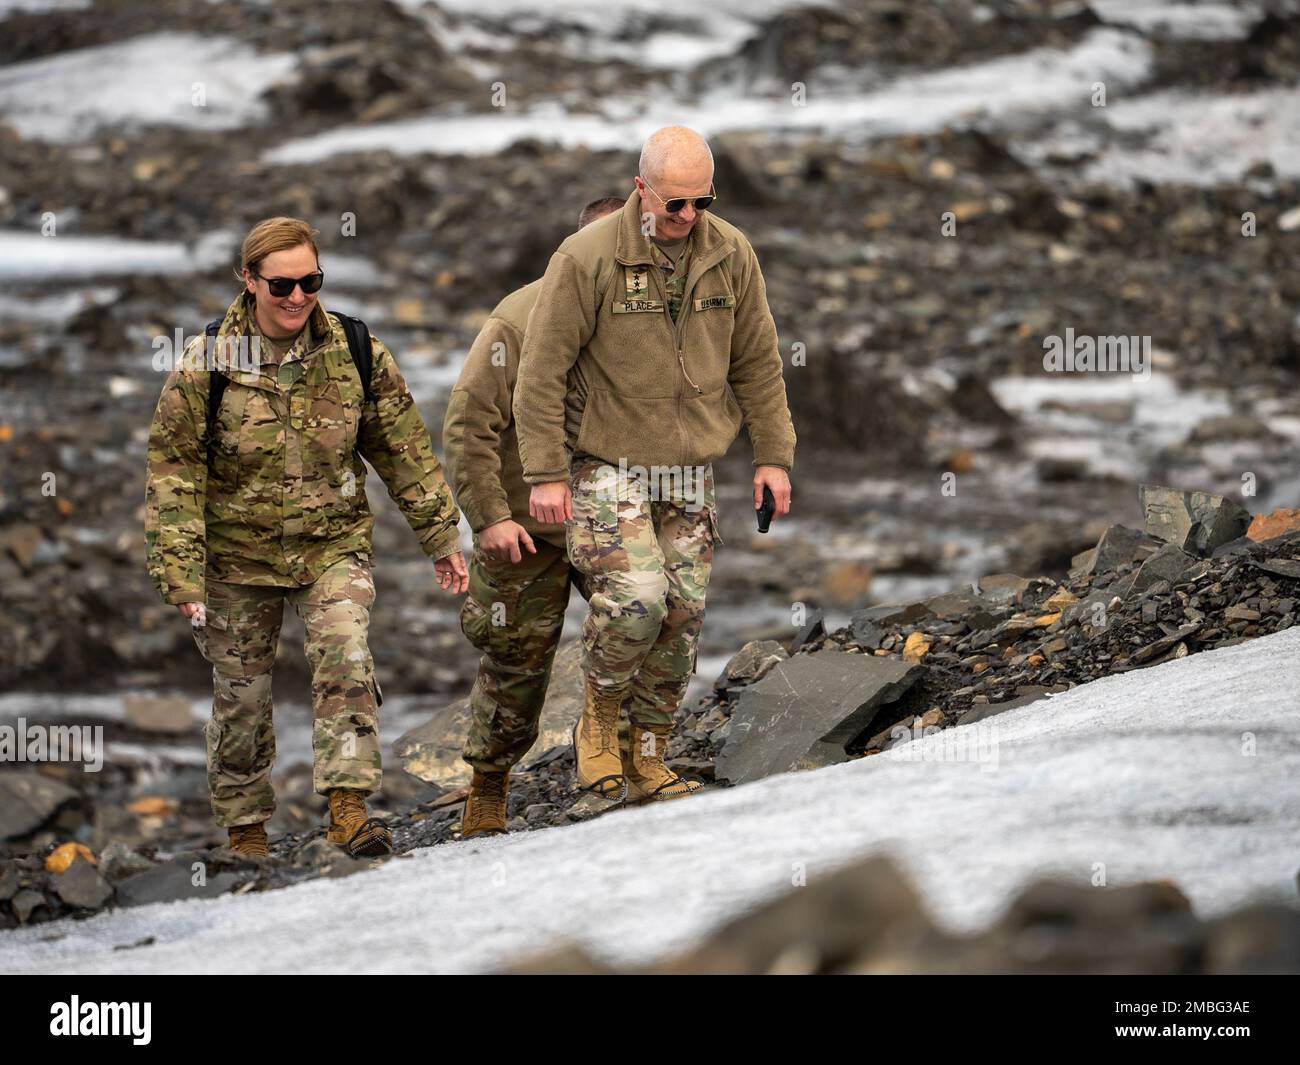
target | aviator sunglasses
[
  {"x": 283, "y": 286},
  {"x": 700, "y": 203}
]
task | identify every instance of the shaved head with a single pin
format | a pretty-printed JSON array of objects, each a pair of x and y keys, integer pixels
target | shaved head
[
  {"x": 675, "y": 163},
  {"x": 672, "y": 151}
]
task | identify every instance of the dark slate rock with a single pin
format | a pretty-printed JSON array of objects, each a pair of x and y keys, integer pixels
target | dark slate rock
[
  {"x": 971, "y": 609},
  {"x": 813, "y": 628},
  {"x": 27, "y": 801},
  {"x": 892, "y": 614},
  {"x": 117, "y": 861},
  {"x": 1168, "y": 564},
  {"x": 172, "y": 881},
  {"x": 8, "y": 882},
  {"x": 551, "y": 754},
  {"x": 751, "y": 663},
  {"x": 807, "y": 710},
  {"x": 1159, "y": 647},
  {"x": 865, "y": 633},
  {"x": 1243, "y": 545},
  {"x": 1282, "y": 567},
  {"x": 26, "y": 902},
  {"x": 1119, "y": 545},
  {"x": 82, "y": 887},
  {"x": 1195, "y": 521},
  {"x": 986, "y": 710},
  {"x": 1001, "y": 588}
]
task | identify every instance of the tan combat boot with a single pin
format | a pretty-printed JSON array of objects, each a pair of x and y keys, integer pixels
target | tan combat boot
[
  {"x": 595, "y": 746},
  {"x": 485, "y": 805},
  {"x": 249, "y": 840},
  {"x": 648, "y": 778},
  {"x": 350, "y": 827}
]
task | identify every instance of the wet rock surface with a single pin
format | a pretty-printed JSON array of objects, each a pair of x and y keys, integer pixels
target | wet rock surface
[{"x": 806, "y": 711}]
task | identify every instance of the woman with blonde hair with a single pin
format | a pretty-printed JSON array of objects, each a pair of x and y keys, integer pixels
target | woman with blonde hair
[{"x": 256, "y": 495}]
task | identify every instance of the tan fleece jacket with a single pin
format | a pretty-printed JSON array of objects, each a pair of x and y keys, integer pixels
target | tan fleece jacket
[{"x": 606, "y": 371}]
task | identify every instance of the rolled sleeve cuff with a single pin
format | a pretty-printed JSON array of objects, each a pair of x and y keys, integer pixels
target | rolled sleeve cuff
[
  {"x": 490, "y": 517},
  {"x": 447, "y": 543}
]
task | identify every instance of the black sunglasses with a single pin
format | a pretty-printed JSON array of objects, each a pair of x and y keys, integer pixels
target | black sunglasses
[
  {"x": 283, "y": 286},
  {"x": 701, "y": 203}
]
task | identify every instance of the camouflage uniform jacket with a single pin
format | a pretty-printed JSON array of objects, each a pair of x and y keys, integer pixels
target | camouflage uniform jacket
[{"x": 283, "y": 496}]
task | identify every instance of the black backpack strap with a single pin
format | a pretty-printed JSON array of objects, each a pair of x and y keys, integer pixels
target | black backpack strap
[
  {"x": 217, "y": 382},
  {"x": 363, "y": 353}
]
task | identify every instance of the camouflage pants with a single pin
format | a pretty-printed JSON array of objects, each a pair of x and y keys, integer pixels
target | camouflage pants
[
  {"x": 240, "y": 640},
  {"x": 647, "y": 561},
  {"x": 513, "y": 614}
]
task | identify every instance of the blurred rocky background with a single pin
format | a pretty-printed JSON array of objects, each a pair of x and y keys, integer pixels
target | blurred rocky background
[{"x": 933, "y": 190}]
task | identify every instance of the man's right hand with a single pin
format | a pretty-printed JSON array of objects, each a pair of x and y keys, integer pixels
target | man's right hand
[
  {"x": 196, "y": 613},
  {"x": 503, "y": 539},
  {"x": 551, "y": 503}
]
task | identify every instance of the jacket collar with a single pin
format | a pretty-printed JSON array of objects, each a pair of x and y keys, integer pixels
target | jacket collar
[
  {"x": 708, "y": 244},
  {"x": 238, "y": 321}
]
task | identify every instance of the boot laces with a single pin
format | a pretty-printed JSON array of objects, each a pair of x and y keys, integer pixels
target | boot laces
[
  {"x": 606, "y": 714},
  {"x": 655, "y": 764},
  {"x": 246, "y": 834},
  {"x": 349, "y": 804},
  {"x": 492, "y": 787}
]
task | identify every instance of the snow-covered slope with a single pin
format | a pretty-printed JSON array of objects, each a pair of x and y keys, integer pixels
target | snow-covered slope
[{"x": 1149, "y": 774}]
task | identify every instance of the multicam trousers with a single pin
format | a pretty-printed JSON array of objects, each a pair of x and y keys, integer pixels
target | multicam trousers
[
  {"x": 645, "y": 545},
  {"x": 513, "y": 614},
  {"x": 240, "y": 640}
]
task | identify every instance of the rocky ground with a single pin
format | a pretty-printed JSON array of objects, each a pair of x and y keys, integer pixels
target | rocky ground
[
  {"x": 1202, "y": 574},
  {"x": 923, "y": 360}
]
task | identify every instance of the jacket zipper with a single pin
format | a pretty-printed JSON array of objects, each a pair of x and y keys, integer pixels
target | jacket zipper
[{"x": 676, "y": 327}]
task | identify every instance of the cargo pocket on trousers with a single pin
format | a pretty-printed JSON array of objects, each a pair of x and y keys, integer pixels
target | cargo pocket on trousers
[
  {"x": 476, "y": 624},
  {"x": 232, "y": 756},
  {"x": 715, "y": 525},
  {"x": 212, "y": 745},
  {"x": 216, "y": 642}
]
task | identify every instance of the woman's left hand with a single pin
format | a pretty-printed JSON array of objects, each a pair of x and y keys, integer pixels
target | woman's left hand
[{"x": 453, "y": 576}]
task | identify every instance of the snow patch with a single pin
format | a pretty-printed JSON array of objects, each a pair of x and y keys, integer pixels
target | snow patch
[
  {"x": 1005, "y": 90},
  {"x": 1149, "y": 774},
  {"x": 147, "y": 80}
]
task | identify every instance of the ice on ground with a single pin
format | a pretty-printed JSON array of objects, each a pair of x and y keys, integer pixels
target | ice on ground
[
  {"x": 1207, "y": 21},
  {"x": 8, "y": 7},
  {"x": 596, "y": 31},
  {"x": 1173, "y": 137},
  {"x": 1201, "y": 139},
  {"x": 150, "y": 80},
  {"x": 1006, "y": 90},
  {"x": 1184, "y": 771},
  {"x": 1163, "y": 412},
  {"x": 27, "y": 256},
  {"x": 54, "y": 308},
  {"x": 30, "y": 257}
]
